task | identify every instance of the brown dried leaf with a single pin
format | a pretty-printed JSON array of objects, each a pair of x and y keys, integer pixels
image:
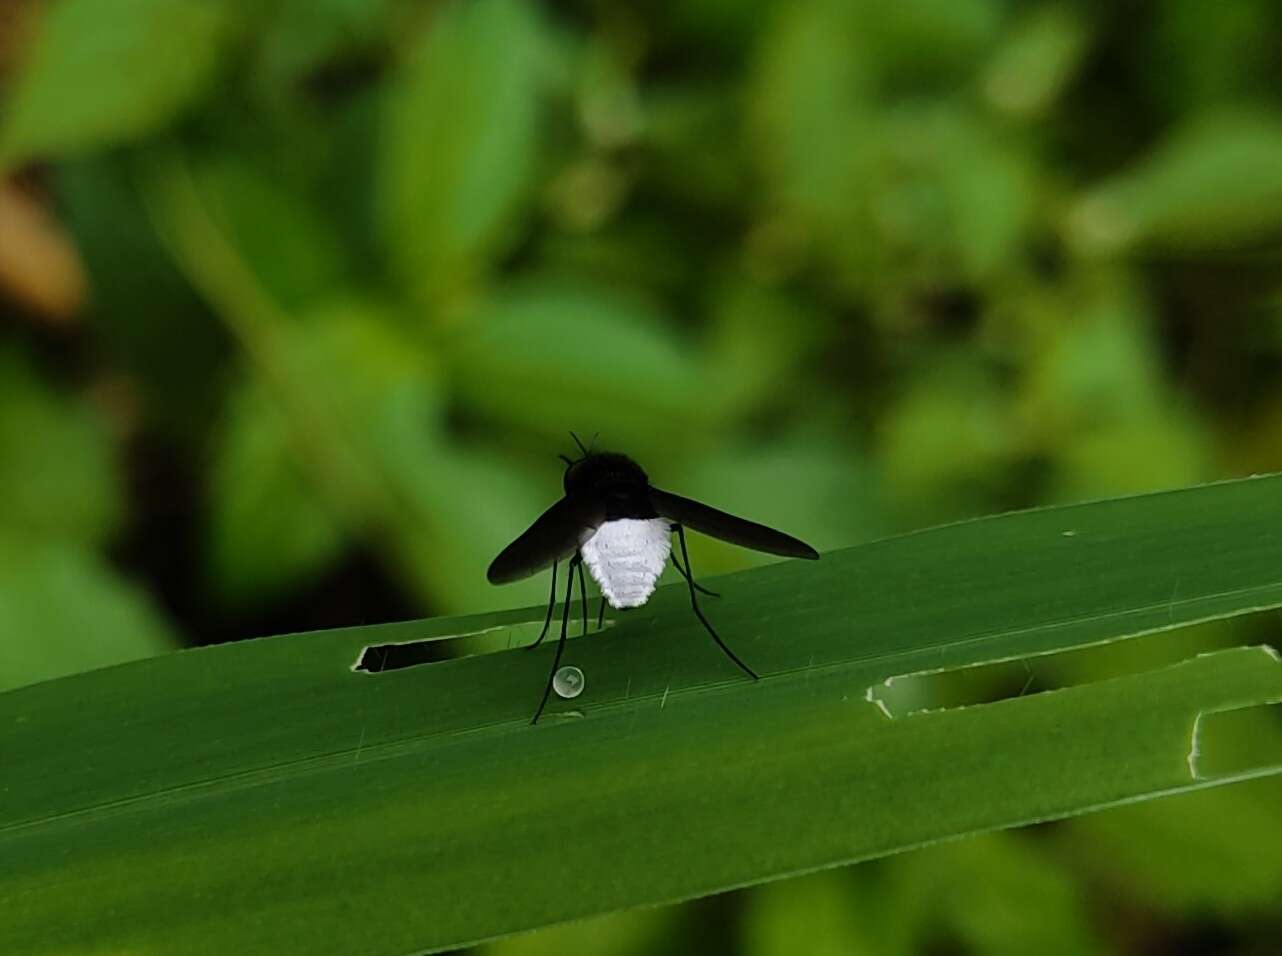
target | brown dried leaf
[{"x": 40, "y": 267}]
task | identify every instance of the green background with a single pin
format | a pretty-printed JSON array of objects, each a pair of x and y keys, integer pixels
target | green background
[{"x": 301, "y": 297}]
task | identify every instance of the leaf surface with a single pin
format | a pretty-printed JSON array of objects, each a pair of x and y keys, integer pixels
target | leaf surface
[{"x": 263, "y": 795}]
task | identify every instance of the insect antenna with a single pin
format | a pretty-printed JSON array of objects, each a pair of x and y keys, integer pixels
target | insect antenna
[{"x": 580, "y": 444}]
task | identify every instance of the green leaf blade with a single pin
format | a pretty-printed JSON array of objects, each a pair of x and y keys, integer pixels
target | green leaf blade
[
  {"x": 459, "y": 141},
  {"x": 53, "y": 594},
  {"x": 104, "y": 72},
  {"x": 311, "y": 794}
]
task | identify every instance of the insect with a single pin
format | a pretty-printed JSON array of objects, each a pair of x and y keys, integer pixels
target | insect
[{"x": 614, "y": 521}]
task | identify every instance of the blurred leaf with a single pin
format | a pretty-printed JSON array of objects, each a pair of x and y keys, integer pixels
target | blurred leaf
[
  {"x": 474, "y": 504},
  {"x": 348, "y": 183},
  {"x": 1216, "y": 182},
  {"x": 804, "y": 484},
  {"x": 696, "y": 155},
  {"x": 294, "y": 251},
  {"x": 1036, "y": 60},
  {"x": 365, "y": 373},
  {"x": 758, "y": 339},
  {"x": 1251, "y": 444},
  {"x": 356, "y": 396},
  {"x": 645, "y": 255},
  {"x": 724, "y": 27},
  {"x": 485, "y": 825},
  {"x": 949, "y": 435},
  {"x": 1132, "y": 456},
  {"x": 997, "y": 895},
  {"x": 1146, "y": 852},
  {"x": 460, "y": 142},
  {"x": 441, "y": 513},
  {"x": 362, "y": 404},
  {"x": 308, "y": 372},
  {"x": 103, "y": 72},
  {"x": 924, "y": 44},
  {"x": 269, "y": 528},
  {"x": 302, "y": 36},
  {"x": 1196, "y": 56},
  {"x": 39, "y": 266},
  {"x": 950, "y": 199},
  {"x": 62, "y": 611},
  {"x": 58, "y": 469},
  {"x": 823, "y": 914},
  {"x": 809, "y": 91},
  {"x": 436, "y": 514},
  {"x": 587, "y": 195},
  {"x": 558, "y": 357},
  {"x": 1093, "y": 364},
  {"x": 916, "y": 195},
  {"x": 606, "y": 95},
  {"x": 821, "y": 69},
  {"x": 151, "y": 326},
  {"x": 1093, "y": 401},
  {"x": 628, "y": 933}
]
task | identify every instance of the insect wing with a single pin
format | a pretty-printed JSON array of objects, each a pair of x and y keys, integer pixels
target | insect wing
[
  {"x": 553, "y": 536},
  {"x": 719, "y": 524}
]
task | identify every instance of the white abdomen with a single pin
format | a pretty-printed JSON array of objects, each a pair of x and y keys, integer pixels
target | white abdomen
[{"x": 626, "y": 557}]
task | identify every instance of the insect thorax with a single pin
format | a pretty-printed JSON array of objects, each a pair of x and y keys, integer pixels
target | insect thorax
[{"x": 614, "y": 480}]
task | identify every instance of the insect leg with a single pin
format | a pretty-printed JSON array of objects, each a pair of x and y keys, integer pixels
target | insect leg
[
  {"x": 686, "y": 574},
  {"x": 583, "y": 599},
  {"x": 694, "y": 603},
  {"x": 560, "y": 645},
  {"x": 600, "y": 618},
  {"x": 547, "y": 620}
]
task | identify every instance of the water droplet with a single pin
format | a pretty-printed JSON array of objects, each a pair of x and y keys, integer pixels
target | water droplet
[{"x": 568, "y": 682}]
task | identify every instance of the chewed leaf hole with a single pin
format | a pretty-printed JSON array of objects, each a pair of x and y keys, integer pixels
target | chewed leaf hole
[
  {"x": 390, "y": 657},
  {"x": 381, "y": 658},
  {"x": 907, "y": 694},
  {"x": 1231, "y": 742}
]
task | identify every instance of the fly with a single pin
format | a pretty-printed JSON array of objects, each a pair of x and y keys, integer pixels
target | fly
[{"x": 615, "y": 522}]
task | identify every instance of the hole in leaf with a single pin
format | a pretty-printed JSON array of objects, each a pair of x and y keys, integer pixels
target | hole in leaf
[
  {"x": 390, "y": 657},
  {"x": 907, "y": 694},
  {"x": 380, "y": 658},
  {"x": 1231, "y": 742}
]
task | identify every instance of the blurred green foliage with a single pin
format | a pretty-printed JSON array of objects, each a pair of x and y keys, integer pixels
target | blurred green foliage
[{"x": 357, "y": 266}]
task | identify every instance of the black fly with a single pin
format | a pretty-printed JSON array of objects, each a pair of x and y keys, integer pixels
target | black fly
[{"x": 615, "y": 522}]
